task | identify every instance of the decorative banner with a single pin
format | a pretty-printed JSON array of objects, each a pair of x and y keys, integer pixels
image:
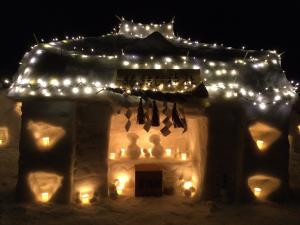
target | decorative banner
[
  {"x": 128, "y": 114},
  {"x": 155, "y": 115},
  {"x": 175, "y": 117},
  {"x": 147, "y": 125},
  {"x": 183, "y": 120},
  {"x": 140, "y": 113}
]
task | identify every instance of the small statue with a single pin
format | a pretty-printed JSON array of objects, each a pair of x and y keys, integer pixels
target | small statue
[
  {"x": 133, "y": 150},
  {"x": 157, "y": 150}
]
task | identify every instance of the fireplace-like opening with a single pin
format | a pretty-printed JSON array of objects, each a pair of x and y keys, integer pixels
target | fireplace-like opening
[{"x": 148, "y": 183}]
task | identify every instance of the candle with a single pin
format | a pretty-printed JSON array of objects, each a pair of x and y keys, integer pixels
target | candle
[
  {"x": 187, "y": 185},
  {"x": 112, "y": 155},
  {"x": 257, "y": 191},
  {"x": 85, "y": 198},
  {"x": 168, "y": 152},
  {"x": 1, "y": 142},
  {"x": 45, "y": 197},
  {"x": 122, "y": 152},
  {"x": 260, "y": 144},
  {"x": 46, "y": 141},
  {"x": 183, "y": 156}
]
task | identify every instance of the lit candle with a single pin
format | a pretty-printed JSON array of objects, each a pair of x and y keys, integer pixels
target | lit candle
[
  {"x": 187, "y": 185},
  {"x": 46, "y": 141},
  {"x": 183, "y": 156},
  {"x": 112, "y": 155},
  {"x": 85, "y": 198},
  {"x": 45, "y": 197},
  {"x": 122, "y": 152},
  {"x": 1, "y": 142},
  {"x": 260, "y": 144},
  {"x": 257, "y": 191},
  {"x": 168, "y": 152}
]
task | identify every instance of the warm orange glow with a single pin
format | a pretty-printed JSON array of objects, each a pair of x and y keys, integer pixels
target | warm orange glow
[
  {"x": 44, "y": 185},
  {"x": 112, "y": 155},
  {"x": 264, "y": 135},
  {"x": 45, "y": 197},
  {"x": 187, "y": 185},
  {"x": 85, "y": 198},
  {"x": 45, "y": 135},
  {"x": 18, "y": 108},
  {"x": 263, "y": 185},
  {"x": 260, "y": 144},
  {"x": 257, "y": 191},
  {"x": 46, "y": 141},
  {"x": 122, "y": 152},
  {"x": 183, "y": 156},
  {"x": 298, "y": 128},
  {"x": 168, "y": 152},
  {"x": 120, "y": 183},
  {"x": 3, "y": 136}
]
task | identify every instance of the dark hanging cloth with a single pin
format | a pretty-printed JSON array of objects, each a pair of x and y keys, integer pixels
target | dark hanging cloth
[
  {"x": 155, "y": 115},
  {"x": 175, "y": 118},
  {"x": 140, "y": 113}
]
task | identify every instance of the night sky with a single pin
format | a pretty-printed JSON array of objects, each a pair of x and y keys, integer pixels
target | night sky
[{"x": 254, "y": 24}]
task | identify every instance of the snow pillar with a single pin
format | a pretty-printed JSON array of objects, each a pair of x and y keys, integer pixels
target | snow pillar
[
  {"x": 46, "y": 149},
  {"x": 92, "y": 138}
]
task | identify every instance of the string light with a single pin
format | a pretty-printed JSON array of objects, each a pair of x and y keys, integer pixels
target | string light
[{"x": 212, "y": 70}]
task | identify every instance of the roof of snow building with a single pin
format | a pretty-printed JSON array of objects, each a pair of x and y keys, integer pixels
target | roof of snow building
[{"x": 82, "y": 67}]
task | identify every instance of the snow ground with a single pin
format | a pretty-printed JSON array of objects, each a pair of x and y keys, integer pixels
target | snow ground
[{"x": 158, "y": 211}]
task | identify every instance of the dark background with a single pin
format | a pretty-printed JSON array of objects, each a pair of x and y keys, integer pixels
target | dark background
[{"x": 255, "y": 24}]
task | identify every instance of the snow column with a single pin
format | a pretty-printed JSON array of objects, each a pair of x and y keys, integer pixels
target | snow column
[
  {"x": 92, "y": 136},
  {"x": 46, "y": 149}
]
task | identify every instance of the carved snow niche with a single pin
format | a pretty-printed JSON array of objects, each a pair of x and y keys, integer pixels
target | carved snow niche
[
  {"x": 263, "y": 185},
  {"x": 181, "y": 156},
  {"x": 263, "y": 135},
  {"x": 44, "y": 185},
  {"x": 45, "y": 135},
  {"x": 3, "y": 136}
]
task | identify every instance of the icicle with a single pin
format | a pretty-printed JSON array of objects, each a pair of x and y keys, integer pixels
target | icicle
[
  {"x": 140, "y": 113},
  {"x": 155, "y": 115},
  {"x": 175, "y": 117}
]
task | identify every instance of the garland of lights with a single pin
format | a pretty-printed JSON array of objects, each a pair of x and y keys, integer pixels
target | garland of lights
[{"x": 212, "y": 70}]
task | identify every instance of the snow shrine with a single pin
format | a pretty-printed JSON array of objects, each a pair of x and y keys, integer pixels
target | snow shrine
[{"x": 142, "y": 112}]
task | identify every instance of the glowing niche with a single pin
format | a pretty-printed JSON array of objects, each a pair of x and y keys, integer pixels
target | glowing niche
[
  {"x": 3, "y": 136},
  {"x": 45, "y": 135},
  {"x": 263, "y": 135},
  {"x": 44, "y": 185},
  {"x": 263, "y": 185}
]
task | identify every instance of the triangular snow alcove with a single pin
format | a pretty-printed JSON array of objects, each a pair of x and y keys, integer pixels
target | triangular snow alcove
[
  {"x": 45, "y": 135},
  {"x": 264, "y": 135}
]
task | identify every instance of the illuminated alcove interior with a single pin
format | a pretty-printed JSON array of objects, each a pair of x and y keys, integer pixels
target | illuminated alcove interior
[
  {"x": 18, "y": 108},
  {"x": 45, "y": 135},
  {"x": 180, "y": 156},
  {"x": 263, "y": 135},
  {"x": 44, "y": 185},
  {"x": 263, "y": 185},
  {"x": 3, "y": 136}
]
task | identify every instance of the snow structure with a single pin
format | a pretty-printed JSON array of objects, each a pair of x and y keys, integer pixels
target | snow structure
[{"x": 142, "y": 112}]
